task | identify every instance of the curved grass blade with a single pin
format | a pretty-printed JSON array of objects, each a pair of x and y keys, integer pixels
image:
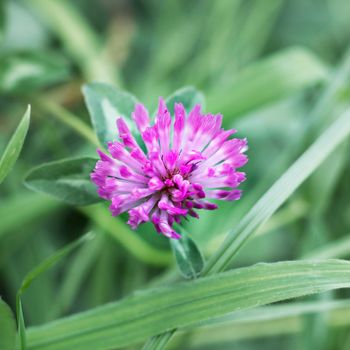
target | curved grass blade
[
  {"x": 280, "y": 192},
  {"x": 37, "y": 271},
  {"x": 14, "y": 147},
  {"x": 267, "y": 81},
  {"x": 78, "y": 38},
  {"x": 147, "y": 313}
]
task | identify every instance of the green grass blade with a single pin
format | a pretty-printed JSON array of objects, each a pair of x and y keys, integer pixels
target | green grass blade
[
  {"x": 147, "y": 313},
  {"x": 37, "y": 271},
  {"x": 336, "y": 249},
  {"x": 7, "y": 327},
  {"x": 267, "y": 321},
  {"x": 266, "y": 81},
  {"x": 280, "y": 192},
  {"x": 78, "y": 38},
  {"x": 14, "y": 147},
  {"x": 47, "y": 106},
  {"x": 32, "y": 207},
  {"x": 275, "y": 312}
]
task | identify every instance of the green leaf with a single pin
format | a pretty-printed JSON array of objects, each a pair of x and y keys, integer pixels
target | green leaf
[
  {"x": 32, "y": 207},
  {"x": 105, "y": 104},
  {"x": 188, "y": 257},
  {"x": 37, "y": 271},
  {"x": 267, "y": 321},
  {"x": 266, "y": 81},
  {"x": 150, "y": 312},
  {"x": 2, "y": 18},
  {"x": 14, "y": 147},
  {"x": 67, "y": 180},
  {"x": 280, "y": 192},
  {"x": 188, "y": 96},
  {"x": 7, "y": 327},
  {"x": 337, "y": 248},
  {"x": 23, "y": 72}
]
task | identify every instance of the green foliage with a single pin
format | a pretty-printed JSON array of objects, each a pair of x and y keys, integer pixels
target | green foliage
[
  {"x": 67, "y": 180},
  {"x": 14, "y": 146},
  {"x": 25, "y": 71},
  {"x": 36, "y": 272},
  {"x": 188, "y": 257},
  {"x": 105, "y": 104},
  {"x": 279, "y": 72},
  {"x": 119, "y": 324},
  {"x": 188, "y": 96},
  {"x": 268, "y": 80},
  {"x": 281, "y": 191},
  {"x": 7, "y": 327}
]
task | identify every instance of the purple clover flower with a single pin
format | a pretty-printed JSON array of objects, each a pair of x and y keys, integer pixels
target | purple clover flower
[{"x": 186, "y": 164}]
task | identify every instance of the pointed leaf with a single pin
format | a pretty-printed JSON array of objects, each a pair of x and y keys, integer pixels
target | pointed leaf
[
  {"x": 105, "y": 104},
  {"x": 36, "y": 272},
  {"x": 66, "y": 179},
  {"x": 188, "y": 96},
  {"x": 188, "y": 257},
  {"x": 14, "y": 147}
]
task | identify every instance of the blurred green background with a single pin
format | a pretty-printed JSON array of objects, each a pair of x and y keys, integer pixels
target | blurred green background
[{"x": 279, "y": 70}]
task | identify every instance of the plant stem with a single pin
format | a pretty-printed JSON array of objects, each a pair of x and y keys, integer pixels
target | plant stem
[
  {"x": 66, "y": 117},
  {"x": 131, "y": 241},
  {"x": 78, "y": 38}
]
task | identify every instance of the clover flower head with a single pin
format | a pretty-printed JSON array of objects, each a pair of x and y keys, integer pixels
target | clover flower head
[{"x": 184, "y": 162}]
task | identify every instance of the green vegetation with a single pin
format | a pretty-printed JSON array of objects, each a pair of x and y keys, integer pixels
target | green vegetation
[{"x": 74, "y": 277}]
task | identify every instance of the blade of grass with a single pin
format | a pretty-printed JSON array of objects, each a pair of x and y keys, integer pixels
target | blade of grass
[
  {"x": 66, "y": 117},
  {"x": 146, "y": 313},
  {"x": 79, "y": 39},
  {"x": 267, "y": 321},
  {"x": 77, "y": 270},
  {"x": 339, "y": 248},
  {"x": 266, "y": 81},
  {"x": 32, "y": 206},
  {"x": 280, "y": 192},
  {"x": 14, "y": 147},
  {"x": 319, "y": 116},
  {"x": 33, "y": 274}
]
